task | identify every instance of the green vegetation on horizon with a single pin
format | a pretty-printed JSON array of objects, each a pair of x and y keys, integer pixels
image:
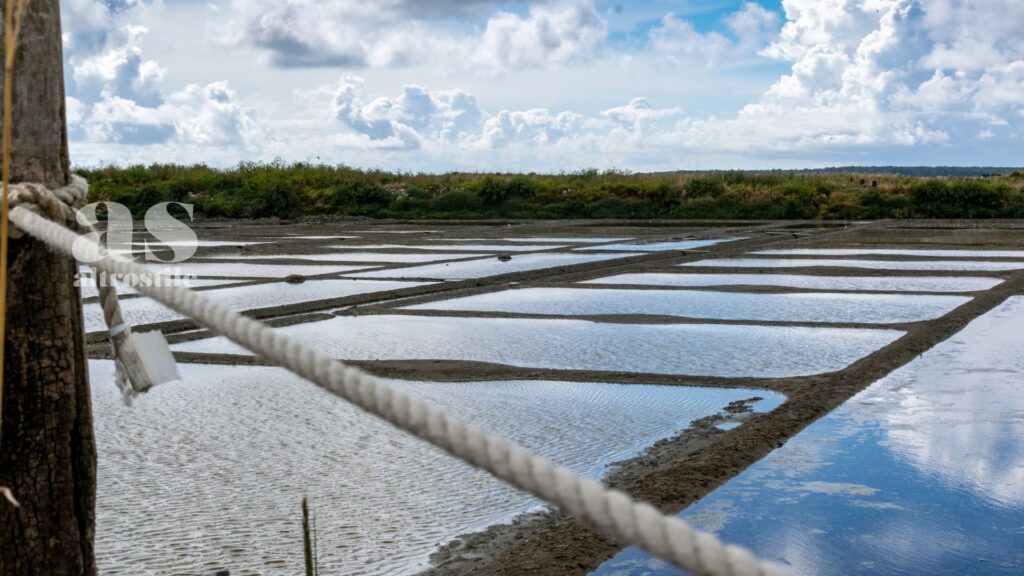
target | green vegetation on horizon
[{"x": 253, "y": 190}]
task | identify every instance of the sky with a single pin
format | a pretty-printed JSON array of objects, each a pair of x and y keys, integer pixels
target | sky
[{"x": 546, "y": 86}]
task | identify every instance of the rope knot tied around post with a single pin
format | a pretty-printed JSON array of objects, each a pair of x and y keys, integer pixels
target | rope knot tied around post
[
  {"x": 56, "y": 204},
  {"x": 143, "y": 360}
]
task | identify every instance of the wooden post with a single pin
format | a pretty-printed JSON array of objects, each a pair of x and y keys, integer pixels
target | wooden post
[{"x": 47, "y": 450}]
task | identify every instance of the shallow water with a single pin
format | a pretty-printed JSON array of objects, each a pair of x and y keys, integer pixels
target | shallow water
[
  {"x": 154, "y": 245},
  {"x": 138, "y": 311},
  {"x": 951, "y": 265},
  {"x": 209, "y": 472},
  {"x": 894, "y": 252},
  {"x": 693, "y": 349},
  {"x": 334, "y": 237},
  {"x": 922, "y": 473},
  {"x": 876, "y": 283},
  {"x": 496, "y": 248},
  {"x": 88, "y": 285},
  {"x": 490, "y": 266},
  {"x": 569, "y": 239},
  {"x": 835, "y": 308},
  {"x": 256, "y": 270},
  {"x": 657, "y": 246},
  {"x": 381, "y": 257}
]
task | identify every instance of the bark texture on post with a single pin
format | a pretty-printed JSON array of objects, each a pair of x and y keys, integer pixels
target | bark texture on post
[{"x": 47, "y": 455}]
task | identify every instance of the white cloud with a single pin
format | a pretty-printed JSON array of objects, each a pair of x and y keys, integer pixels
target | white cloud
[
  {"x": 879, "y": 72},
  {"x": 119, "y": 69},
  {"x": 542, "y": 84},
  {"x": 537, "y": 126},
  {"x": 355, "y": 34},
  {"x": 679, "y": 41},
  {"x": 400, "y": 123},
  {"x": 566, "y": 32},
  {"x": 200, "y": 116},
  {"x": 211, "y": 116}
]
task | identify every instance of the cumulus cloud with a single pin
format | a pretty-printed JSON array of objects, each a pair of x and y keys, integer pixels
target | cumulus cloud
[
  {"x": 195, "y": 116},
  {"x": 537, "y": 126},
  {"x": 881, "y": 72},
  {"x": 639, "y": 121},
  {"x": 118, "y": 69},
  {"x": 562, "y": 33},
  {"x": 748, "y": 30},
  {"x": 355, "y": 34},
  {"x": 860, "y": 75},
  {"x": 402, "y": 122},
  {"x": 211, "y": 115}
]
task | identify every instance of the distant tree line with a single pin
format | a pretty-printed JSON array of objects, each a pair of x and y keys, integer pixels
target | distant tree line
[
  {"x": 928, "y": 171},
  {"x": 257, "y": 190}
]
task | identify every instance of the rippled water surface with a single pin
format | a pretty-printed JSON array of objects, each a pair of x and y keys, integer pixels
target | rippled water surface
[
  {"x": 922, "y": 473},
  {"x": 836, "y": 308},
  {"x": 875, "y": 283},
  {"x": 256, "y": 270},
  {"x": 199, "y": 243},
  {"x": 569, "y": 239},
  {"x": 656, "y": 246},
  {"x": 458, "y": 247},
  {"x": 209, "y": 473},
  {"x": 895, "y": 252},
  {"x": 382, "y": 257},
  {"x": 696, "y": 349},
  {"x": 139, "y": 311},
  {"x": 88, "y": 285},
  {"x": 951, "y": 265},
  {"x": 490, "y": 266}
]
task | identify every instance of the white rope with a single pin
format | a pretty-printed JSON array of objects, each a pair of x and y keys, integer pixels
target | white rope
[
  {"x": 613, "y": 513},
  {"x": 58, "y": 205}
]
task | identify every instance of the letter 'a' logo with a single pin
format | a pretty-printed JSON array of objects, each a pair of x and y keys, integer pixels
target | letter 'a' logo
[{"x": 159, "y": 222}]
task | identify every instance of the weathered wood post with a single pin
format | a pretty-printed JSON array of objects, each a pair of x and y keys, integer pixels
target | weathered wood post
[{"x": 47, "y": 451}]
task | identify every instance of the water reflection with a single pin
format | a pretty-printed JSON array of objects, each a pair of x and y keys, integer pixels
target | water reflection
[
  {"x": 825, "y": 307},
  {"x": 209, "y": 472},
  {"x": 923, "y": 473},
  {"x": 140, "y": 311},
  {"x": 950, "y": 265},
  {"x": 491, "y": 266},
  {"x": 874, "y": 283},
  {"x": 660, "y": 246},
  {"x": 691, "y": 349}
]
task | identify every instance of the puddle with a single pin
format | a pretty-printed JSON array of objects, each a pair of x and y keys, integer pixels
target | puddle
[
  {"x": 895, "y": 252},
  {"x": 88, "y": 285},
  {"x": 881, "y": 284},
  {"x": 951, "y": 265},
  {"x": 155, "y": 245},
  {"x": 138, "y": 311},
  {"x": 319, "y": 237},
  {"x": 658, "y": 246},
  {"x": 491, "y": 266},
  {"x": 569, "y": 239},
  {"x": 209, "y": 473},
  {"x": 456, "y": 247},
  {"x": 922, "y": 473},
  {"x": 834, "y": 308},
  {"x": 381, "y": 257},
  {"x": 688, "y": 349},
  {"x": 254, "y": 270},
  {"x": 395, "y": 231}
]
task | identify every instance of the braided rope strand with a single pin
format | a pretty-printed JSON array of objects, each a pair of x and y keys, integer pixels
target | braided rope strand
[
  {"x": 613, "y": 513},
  {"x": 58, "y": 205}
]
